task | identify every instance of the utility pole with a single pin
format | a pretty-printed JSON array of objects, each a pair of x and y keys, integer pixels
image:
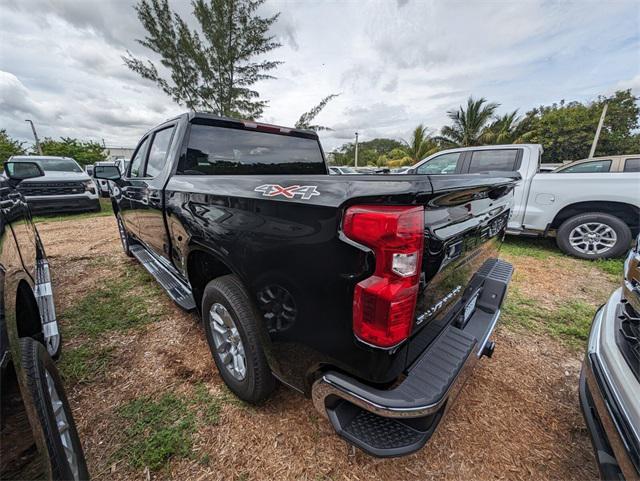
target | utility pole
[
  {"x": 356, "y": 160},
  {"x": 597, "y": 136},
  {"x": 33, "y": 128}
]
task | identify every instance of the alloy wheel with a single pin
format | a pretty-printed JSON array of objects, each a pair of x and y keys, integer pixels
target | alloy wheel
[
  {"x": 593, "y": 238},
  {"x": 64, "y": 429},
  {"x": 227, "y": 340}
]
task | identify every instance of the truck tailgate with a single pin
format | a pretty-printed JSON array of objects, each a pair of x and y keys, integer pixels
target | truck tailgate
[{"x": 464, "y": 227}]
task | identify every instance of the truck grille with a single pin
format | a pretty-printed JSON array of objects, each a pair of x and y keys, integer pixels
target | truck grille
[
  {"x": 628, "y": 337},
  {"x": 51, "y": 188}
]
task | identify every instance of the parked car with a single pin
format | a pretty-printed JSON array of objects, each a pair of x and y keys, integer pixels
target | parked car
[
  {"x": 374, "y": 295},
  {"x": 594, "y": 165},
  {"x": 342, "y": 170},
  {"x": 65, "y": 187},
  {"x": 610, "y": 378},
  {"x": 591, "y": 215},
  {"x": 38, "y": 439}
]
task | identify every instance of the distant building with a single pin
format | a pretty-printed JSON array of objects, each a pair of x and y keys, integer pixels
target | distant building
[{"x": 114, "y": 153}]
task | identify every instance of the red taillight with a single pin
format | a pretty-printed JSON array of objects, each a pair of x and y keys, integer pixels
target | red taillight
[{"x": 384, "y": 304}]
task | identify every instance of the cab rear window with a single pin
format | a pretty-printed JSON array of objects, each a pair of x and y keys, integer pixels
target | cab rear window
[{"x": 214, "y": 150}]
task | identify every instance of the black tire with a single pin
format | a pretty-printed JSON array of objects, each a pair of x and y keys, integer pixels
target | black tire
[
  {"x": 258, "y": 382},
  {"x": 38, "y": 366},
  {"x": 125, "y": 238},
  {"x": 622, "y": 233}
]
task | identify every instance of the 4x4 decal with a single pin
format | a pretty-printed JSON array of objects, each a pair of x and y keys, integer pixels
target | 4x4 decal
[{"x": 304, "y": 191}]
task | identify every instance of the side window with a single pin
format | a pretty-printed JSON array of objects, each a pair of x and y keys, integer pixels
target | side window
[
  {"x": 504, "y": 160},
  {"x": 588, "y": 167},
  {"x": 442, "y": 164},
  {"x": 632, "y": 165},
  {"x": 138, "y": 157},
  {"x": 158, "y": 151}
]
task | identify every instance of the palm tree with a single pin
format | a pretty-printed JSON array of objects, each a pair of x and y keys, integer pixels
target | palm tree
[
  {"x": 421, "y": 144},
  {"x": 469, "y": 125},
  {"x": 508, "y": 129}
]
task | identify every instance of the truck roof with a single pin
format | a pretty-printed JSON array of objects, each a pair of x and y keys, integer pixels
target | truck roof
[
  {"x": 251, "y": 124},
  {"x": 29, "y": 158}
]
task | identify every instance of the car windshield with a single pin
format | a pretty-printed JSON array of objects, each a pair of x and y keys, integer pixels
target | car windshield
[{"x": 58, "y": 165}]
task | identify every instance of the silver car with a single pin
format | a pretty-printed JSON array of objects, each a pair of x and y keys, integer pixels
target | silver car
[
  {"x": 65, "y": 187},
  {"x": 610, "y": 380}
]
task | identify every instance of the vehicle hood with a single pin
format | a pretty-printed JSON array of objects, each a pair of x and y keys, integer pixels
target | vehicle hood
[{"x": 60, "y": 176}]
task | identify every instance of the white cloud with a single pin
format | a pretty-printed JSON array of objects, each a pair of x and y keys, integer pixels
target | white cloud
[{"x": 395, "y": 64}]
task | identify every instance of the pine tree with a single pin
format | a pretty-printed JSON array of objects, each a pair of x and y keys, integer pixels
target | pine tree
[{"x": 213, "y": 68}]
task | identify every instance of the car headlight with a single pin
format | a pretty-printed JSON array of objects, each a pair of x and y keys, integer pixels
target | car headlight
[{"x": 89, "y": 186}]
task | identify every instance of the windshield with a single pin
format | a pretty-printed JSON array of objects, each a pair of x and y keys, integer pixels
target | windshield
[{"x": 58, "y": 165}]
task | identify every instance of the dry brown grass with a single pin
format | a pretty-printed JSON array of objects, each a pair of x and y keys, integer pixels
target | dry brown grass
[{"x": 518, "y": 417}]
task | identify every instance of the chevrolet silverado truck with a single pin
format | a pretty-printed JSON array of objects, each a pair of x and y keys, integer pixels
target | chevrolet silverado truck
[
  {"x": 592, "y": 208},
  {"x": 38, "y": 437},
  {"x": 373, "y": 295}
]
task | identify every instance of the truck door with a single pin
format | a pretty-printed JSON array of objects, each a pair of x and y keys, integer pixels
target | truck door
[
  {"x": 16, "y": 213},
  {"x": 130, "y": 187},
  {"x": 149, "y": 204}
]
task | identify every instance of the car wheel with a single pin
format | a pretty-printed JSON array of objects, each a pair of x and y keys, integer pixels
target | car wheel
[
  {"x": 124, "y": 236},
  {"x": 230, "y": 322},
  {"x": 52, "y": 408},
  {"x": 594, "y": 236}
]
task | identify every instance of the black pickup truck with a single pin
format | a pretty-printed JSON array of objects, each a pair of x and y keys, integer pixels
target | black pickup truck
[
  {"x": 373, "y": 294},
  {"x": 38, "y": 437}
]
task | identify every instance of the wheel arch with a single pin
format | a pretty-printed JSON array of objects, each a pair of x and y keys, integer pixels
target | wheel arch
[
  {"x": 202, "y": 267},
  {"x": 28, "y": 322},
  {"x": 628, "y": 213}
]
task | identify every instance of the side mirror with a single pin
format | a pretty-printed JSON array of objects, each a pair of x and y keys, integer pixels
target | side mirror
[
  {"x": 16, "y": 172},
  {"x": 106, "y": 172}
]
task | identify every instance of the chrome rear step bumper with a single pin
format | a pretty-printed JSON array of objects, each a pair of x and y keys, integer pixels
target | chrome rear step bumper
[{"x": 400, "y": 421}]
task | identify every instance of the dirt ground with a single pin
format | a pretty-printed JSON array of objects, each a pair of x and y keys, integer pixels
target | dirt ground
[{"x": 517, "y": 418}]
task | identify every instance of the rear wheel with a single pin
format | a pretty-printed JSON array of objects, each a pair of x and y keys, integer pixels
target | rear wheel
[
  {"x": 124, "y": 236},
  {"x": 594, "y": 236},
  {"x": 51, "y": 405},
  {"x": 230, "y": 323}
]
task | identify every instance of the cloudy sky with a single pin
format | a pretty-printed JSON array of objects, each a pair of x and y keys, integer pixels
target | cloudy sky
[{"x": 395, "y": 63}]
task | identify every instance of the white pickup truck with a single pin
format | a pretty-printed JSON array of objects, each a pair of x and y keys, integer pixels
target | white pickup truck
[{"x": 592, "y": 213}]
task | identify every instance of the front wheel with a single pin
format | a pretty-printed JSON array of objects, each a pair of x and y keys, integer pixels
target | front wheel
[
  {"x": 50, "y": 402},
  {"x": 230, "y": 323},
  {"x": 594, "y": 236}
]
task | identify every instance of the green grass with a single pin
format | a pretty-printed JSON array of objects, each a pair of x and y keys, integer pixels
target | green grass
[
  {"x": 156, "y": 430},
  {"x": 85, "y": 364},
  {"x": 160, "y": 429},
  {"x": 126, "y": 301},
  {"x": 106, "y": 210},
  {"x": 614, "y": 267},
  {"x": 570, "y": 323},
  {"x": 538, "y": 248}
]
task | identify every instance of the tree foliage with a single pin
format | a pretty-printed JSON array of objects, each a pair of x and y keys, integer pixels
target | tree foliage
[
  {"x": 469, "y": 125},
  {"x": 508, "y": 129},
  {"x": 421, "y": 145},
  {"x": 84, "y": 152},
  {"x": 369, "y": 152},
  {"x": 306, "y": 119},
  {"x": 9, "y": 147},
  {"x": 566, "y": 130},
  {"x": 213, "y": 68}
]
